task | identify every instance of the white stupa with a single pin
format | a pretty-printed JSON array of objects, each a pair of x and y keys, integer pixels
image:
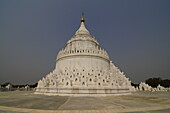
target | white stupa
[{"x": 84, "y": 68}]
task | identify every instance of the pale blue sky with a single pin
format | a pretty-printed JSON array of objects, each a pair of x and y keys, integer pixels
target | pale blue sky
[{"x": 135, "y": 33}]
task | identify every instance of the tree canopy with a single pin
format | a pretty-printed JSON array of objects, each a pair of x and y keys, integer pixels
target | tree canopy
[{"x": 154, "y": 82}]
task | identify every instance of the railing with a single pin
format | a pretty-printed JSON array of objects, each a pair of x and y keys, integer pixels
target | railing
[{"x": 97, "y": 52}]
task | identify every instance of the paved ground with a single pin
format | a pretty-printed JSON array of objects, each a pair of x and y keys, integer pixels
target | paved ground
[{"x": 138, "y": 102}]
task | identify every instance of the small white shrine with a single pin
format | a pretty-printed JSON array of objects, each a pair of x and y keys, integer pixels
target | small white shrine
[{"x": 83, "y": 68}]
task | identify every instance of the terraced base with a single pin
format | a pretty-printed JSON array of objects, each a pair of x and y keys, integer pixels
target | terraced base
[
  {"x": 138, "y": 102},
  {"x": 82, "y": 91}
]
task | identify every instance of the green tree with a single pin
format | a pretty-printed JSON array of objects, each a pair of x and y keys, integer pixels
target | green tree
[
  {"x": 153, "y": 81},
  {"x": 165, "y": 83}
]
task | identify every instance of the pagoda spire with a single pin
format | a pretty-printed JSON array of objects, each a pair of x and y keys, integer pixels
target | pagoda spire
[
  {"x": 82, "y": 19},
  {"x": 82, "y": 29}
]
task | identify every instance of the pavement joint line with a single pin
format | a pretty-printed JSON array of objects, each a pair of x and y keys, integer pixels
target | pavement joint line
[
  {"x": 64, "y": 103},
  {"x": 123, "y": 106}
]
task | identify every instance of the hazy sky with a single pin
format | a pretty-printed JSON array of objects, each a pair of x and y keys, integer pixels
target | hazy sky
[{"x": 135, "y": 33}]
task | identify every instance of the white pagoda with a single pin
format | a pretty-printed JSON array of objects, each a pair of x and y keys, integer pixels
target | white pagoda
[{"x": 83, "y": 68}]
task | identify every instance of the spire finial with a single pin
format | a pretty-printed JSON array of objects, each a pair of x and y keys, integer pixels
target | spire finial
[
  {"x": 82, "y": 19},
  {"x": 82, "y": 14}
]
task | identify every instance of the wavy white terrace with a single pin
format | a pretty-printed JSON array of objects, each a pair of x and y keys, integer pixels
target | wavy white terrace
[{"x": 84, "y": 68}]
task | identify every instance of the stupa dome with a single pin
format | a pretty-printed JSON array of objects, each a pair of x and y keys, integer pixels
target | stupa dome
[{"x": 84, "y": 68}]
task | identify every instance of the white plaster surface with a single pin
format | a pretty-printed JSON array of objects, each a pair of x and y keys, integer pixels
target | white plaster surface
[
  {"x": 83, "y": 67},
  {"x": 145, "y": 87}
]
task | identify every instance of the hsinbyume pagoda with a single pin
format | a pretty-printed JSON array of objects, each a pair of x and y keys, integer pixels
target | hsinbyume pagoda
[{"x": 83, "y": 68}]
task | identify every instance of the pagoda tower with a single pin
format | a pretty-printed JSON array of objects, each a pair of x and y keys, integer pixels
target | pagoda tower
[{"x": 83, "y": 68}]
